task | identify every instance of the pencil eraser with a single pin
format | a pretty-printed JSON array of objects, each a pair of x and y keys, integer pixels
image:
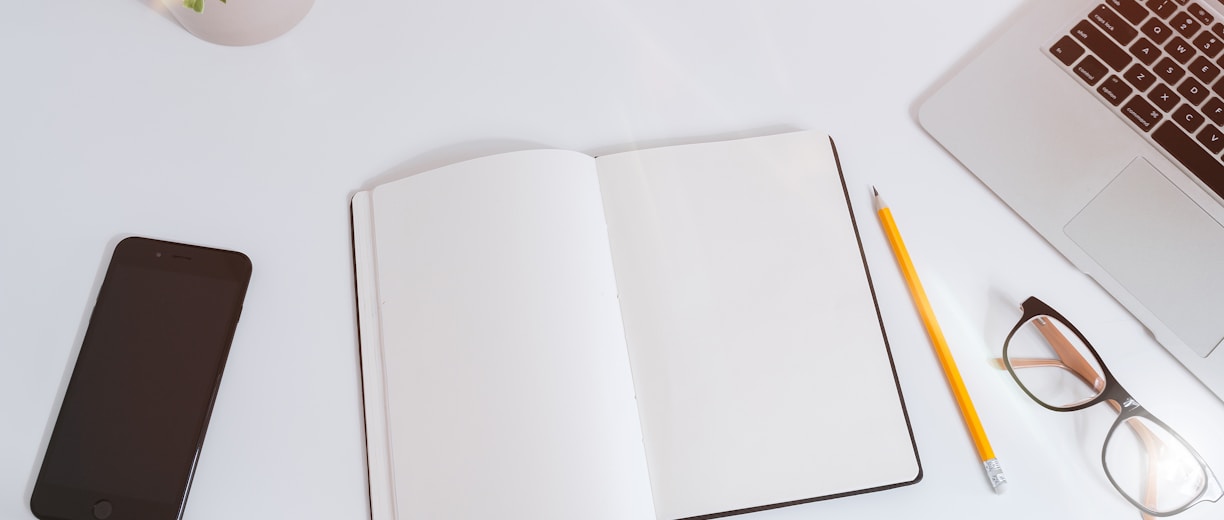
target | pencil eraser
[{"x": 994, "y": 472}]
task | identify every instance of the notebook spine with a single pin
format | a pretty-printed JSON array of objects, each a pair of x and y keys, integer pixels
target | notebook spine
[{"x": 369, "y": 330}]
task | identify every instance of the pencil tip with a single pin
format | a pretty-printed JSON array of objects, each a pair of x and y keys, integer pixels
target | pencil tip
[{"x": 874, "y": 191}]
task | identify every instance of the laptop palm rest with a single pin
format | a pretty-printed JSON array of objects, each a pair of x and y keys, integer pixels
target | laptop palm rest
[{"x": 1161, "y": 247}]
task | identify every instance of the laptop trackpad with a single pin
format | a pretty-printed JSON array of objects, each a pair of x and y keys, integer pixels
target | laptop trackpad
[{"x": 1163, "y": 248}]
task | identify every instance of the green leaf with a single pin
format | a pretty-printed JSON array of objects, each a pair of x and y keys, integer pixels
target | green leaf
[{"x": 196, "y": 5}]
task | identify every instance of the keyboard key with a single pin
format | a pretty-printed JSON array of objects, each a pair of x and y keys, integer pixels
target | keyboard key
[
  {"x": 1101, "y": 45},
  {"x": 1066, "y": 50},
  {"x": 1114, "y": 90},
  {"x": 1090, "y": 70},
  {"x": 1193, "y": 91},
  {"x": 1169, "y": 71},
  {"x": 1139, "y": 77},
  {"x": 1180, "y": 50},
  {"x": 1142, "y": 113},
  {"x": 1187, "y": 117},
  {"x": 1164, "y": 97},
  {"x": 1130, "y": 9},
  {"x": 1185, "y": 24},
  {"x": 1113, "y": 24},
  {"x": 1182, "y": 2},
  {"x": 1214, "y": 110},
  {"x": 1208, "y": 44},
  {"x": 1218, "y": 30},
  {"x": 1145, "y": 50},
  {"x": 1162, "y": 8},
  {"x": 1199, "y": 13},
  {"x": 1183, "y": 148},
  {"x": 1212, "y": 138},
  {"x": 1204, "y": 69},
  {"x": 1218, "y": 88},
  {"x": 1157, "y": 31}
]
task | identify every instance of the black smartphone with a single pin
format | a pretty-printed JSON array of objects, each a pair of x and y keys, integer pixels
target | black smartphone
[{"x": 132, "y": 422}]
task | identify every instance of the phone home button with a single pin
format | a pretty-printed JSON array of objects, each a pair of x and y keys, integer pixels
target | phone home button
[{"x": 102, "y": 509}]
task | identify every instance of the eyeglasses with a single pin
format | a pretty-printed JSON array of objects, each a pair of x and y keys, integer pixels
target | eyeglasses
[{"x": 1148, "y": 463}]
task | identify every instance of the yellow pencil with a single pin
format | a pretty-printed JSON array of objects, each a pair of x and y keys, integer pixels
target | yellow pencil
[{"x": 993, "y": 470}]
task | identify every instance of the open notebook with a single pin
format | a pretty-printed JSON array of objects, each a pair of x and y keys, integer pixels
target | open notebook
[{"x": 677, "y": 332}]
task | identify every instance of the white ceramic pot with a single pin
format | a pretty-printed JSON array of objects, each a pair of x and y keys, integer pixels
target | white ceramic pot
[{"x": 240, "y": 22}]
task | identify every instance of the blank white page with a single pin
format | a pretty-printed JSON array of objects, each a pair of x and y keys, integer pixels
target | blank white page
[
  {"x": 758, "y": 357},
  {"x": 508, "y": 387}
]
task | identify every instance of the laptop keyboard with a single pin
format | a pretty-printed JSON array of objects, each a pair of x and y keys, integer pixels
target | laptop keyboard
[{"x": 1158, "y": 64}]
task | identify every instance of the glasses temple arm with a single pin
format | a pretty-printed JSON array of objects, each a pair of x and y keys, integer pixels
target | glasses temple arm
[
  {"x": 1019, "y": 363},
  {"x": 1067, "y": 352},
  {"x": 1153, "y": 447}
]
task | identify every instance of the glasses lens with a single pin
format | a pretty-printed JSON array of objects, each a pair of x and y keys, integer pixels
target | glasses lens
[
  {"x": 1152, "y": 467},
  {"x": 1053, "y": 365}
]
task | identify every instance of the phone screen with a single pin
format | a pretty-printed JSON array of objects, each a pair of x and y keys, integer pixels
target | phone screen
[{"x": 135, "y": 411}]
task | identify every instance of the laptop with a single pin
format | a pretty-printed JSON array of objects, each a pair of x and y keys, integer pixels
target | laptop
[{"x": 1101, "y": 123}]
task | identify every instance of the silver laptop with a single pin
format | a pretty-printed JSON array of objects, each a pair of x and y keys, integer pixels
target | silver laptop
[{"x": 1101, "y": 123}]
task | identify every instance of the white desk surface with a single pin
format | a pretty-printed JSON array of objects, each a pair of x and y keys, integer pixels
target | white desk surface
[{"x": 115, "y": 121}]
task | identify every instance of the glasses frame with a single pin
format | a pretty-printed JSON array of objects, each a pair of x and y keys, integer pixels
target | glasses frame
[{"x": 1121, "y": 400}]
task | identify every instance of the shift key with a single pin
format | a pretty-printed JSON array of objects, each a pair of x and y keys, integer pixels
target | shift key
[{"x": 1101, "y": 45}]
